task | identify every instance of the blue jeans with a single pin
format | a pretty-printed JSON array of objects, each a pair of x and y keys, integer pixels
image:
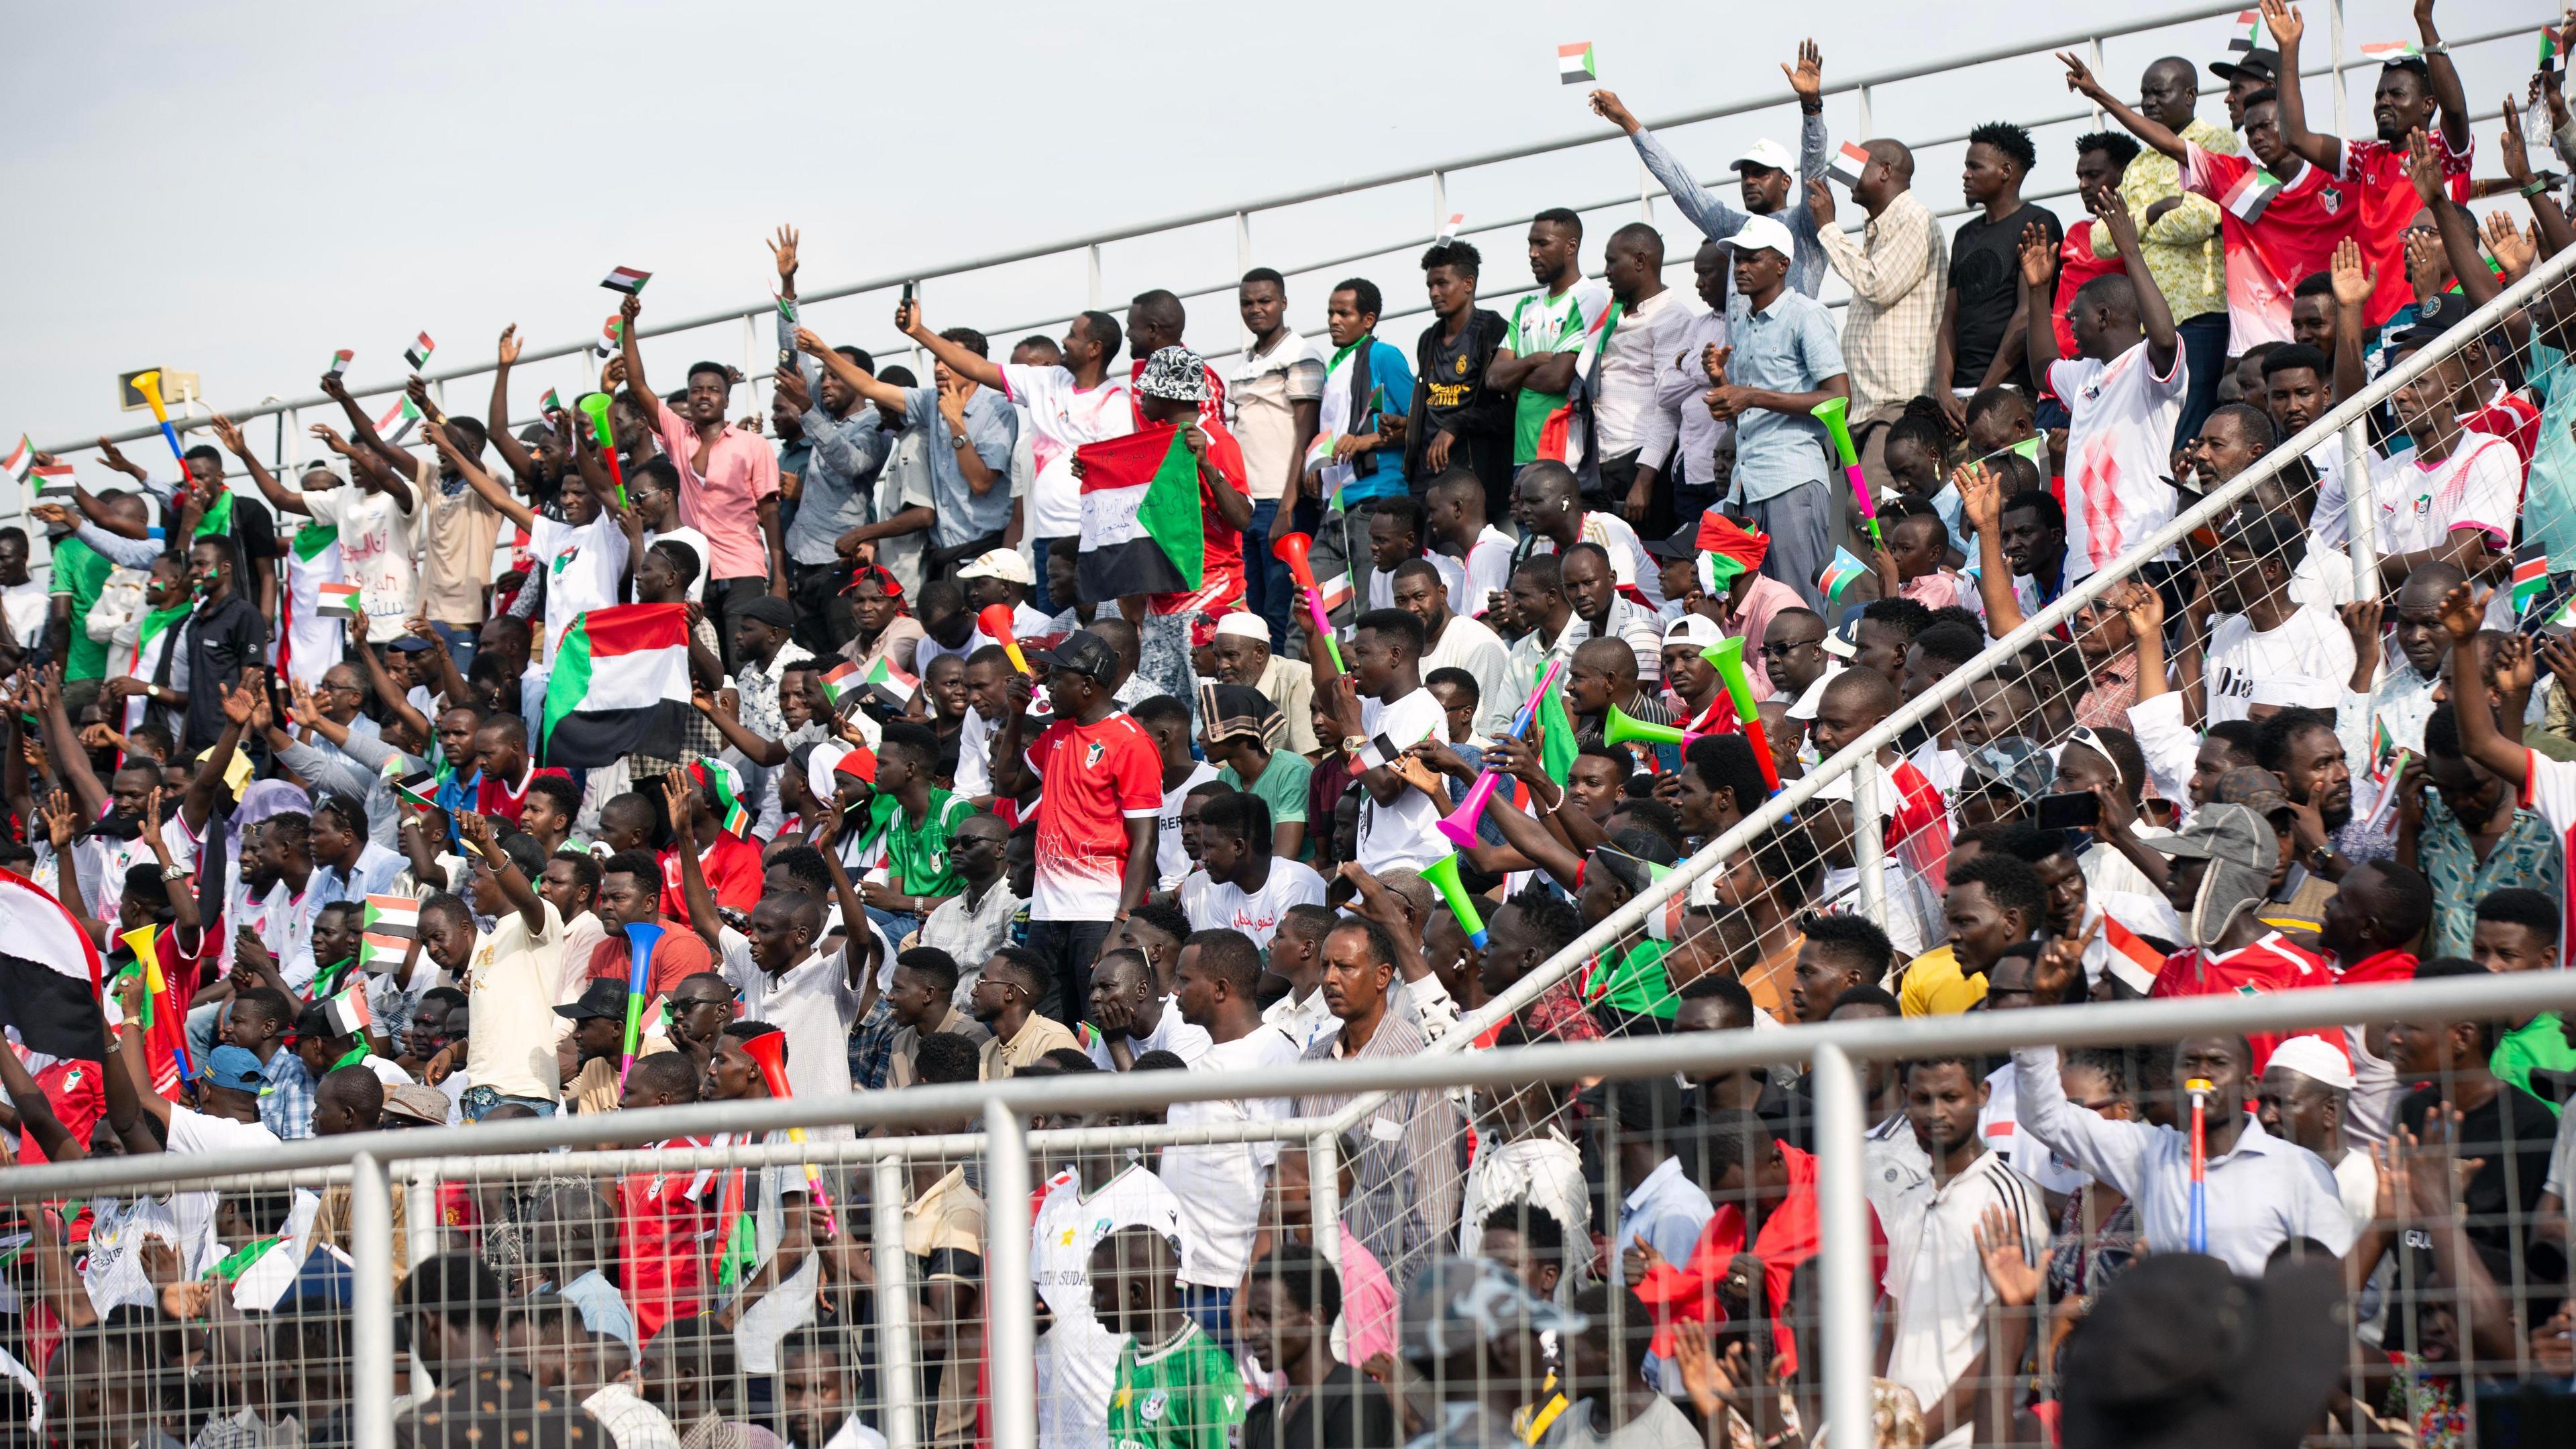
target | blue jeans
[
  {"x": 1267, "y": 588},
  {"x": 895, "y": 927},
  {"x": 459, "y": 641},
  {"x": 1039, "y": 598},
  {"x": 479, "y": 1102}
]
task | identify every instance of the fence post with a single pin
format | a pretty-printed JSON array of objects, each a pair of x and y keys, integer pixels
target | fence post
[
  {"x": 1843, "y": 1312},
  {"x": 1011, "y": 1318},
  {"x": 1439, "y": 201},
  {"x": 897, "y": 1417},
  {"x": 1869, "y": 844},
  {"x": 1324, "y": 1193},
  {"x": 420, "y": 1240},
  {"x": 1091, "y": 256},
  {"x": 371, "y": 1303},
  {"x": 2094, "y": 48},
  {"x": 1862, "y": 126},
  {"x": 2360, "y": 511},
  {"x": 2334, "y": 68}
]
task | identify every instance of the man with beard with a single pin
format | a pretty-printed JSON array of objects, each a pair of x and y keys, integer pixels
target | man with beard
[
  {"x": 1935, "y": 1269},
  {"x": 2300, "y": 653},
  {"x": 2301, "y": 747},
  {"x": 2412, "y": 90}
]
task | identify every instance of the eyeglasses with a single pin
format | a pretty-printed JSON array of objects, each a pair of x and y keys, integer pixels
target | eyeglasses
[{"x": 1784, "y": 650}]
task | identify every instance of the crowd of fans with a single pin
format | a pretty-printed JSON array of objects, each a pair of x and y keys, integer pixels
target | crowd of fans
[{"x": 280, "y": 750}]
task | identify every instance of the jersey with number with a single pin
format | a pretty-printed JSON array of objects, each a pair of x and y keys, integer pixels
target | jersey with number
[{"x": 1184, "y": 1395}]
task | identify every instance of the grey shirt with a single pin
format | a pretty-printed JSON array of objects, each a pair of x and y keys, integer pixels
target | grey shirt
[
  {"x": 358, "y": 771},
  {"x": 1718, "y": 219},
  {"x": 992, "y": 429},
  {"x": 839, "y": 474}
]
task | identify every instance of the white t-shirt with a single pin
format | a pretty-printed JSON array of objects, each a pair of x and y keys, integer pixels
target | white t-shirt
[
  {"x": 1078, "y": 1359},
  {"x": 1223, "y": 905},
  {"x": 2310, "y": 654},
  {"x": 1937, "y": 1279},
  {"x": 1489, "y": 568},
  {"x": 1170, "y": 1034},
  {"x": 1629, "y": 561},
  {"x": 1171, "y": 862},
  {"x": 1466, "y": 643},
  {"x": 378, "y": 538},
  {"x": 28, "y": 607},
  {"x": 1061, "y": 418},
  {"x": 197, "y": 1132},
  {"x": 1219, "y": 1183},
  {"x": 285, "y": 926},
  {"x": 513, "y": 983},
  {"x": 582, "y": 567},
  {"x": 1405, "y": 833},
  {"x": 2117, "y": 452},
  {"x": 812, "y": 1001},
  {"x": 698, "y": 543},
  {"x": 2478, "y": 486},
  {"x": 1453, "y": 577}
]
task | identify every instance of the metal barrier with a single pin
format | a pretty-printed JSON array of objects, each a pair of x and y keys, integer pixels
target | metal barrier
[
  {"x": 1861, "y": 90},
  {"x": 420, "y": 1162}
]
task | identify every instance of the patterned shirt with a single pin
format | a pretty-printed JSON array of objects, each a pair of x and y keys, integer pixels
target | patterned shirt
[
  {"x": 2182, "y": 246},
  {"x": 1404, "y": 1158},
  {"x": 758, "y": 689},
  {"x": 1898, "y": 272},
  {"x": 286, "y": 1096},
  {"x": 2115, "y": 687},
  {"x": 2528, "y": 855}
]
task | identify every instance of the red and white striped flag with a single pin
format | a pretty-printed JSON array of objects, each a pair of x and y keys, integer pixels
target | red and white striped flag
[{"x": 626, "y": 279}]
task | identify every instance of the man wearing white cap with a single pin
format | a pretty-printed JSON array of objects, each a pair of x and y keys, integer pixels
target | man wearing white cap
[
  {"x": 1763, "y": 171},
  {"x": 1243, "y": 657},
  {"x": 1001, "y": 576},
  {"x": 2305, "y": 1083},
  {"x": 1784, "y": 361}
]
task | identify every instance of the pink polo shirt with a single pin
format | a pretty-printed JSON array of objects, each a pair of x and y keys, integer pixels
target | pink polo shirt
[{"x": 725, "y": 503}]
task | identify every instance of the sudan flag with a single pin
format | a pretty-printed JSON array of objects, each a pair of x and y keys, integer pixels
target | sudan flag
[
  {"x": 1727, "y": 550},
  {"x": 48, "y": 973},
  {"x": 620, "y": 686},
  {"x": 1142, "y": 529}
]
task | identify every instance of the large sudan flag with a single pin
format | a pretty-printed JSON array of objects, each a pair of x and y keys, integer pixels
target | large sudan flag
[
  {"x": 1142, "y": 529},
  {"x": 49, "y": 973},
  {"x": 620, "y": 686}
]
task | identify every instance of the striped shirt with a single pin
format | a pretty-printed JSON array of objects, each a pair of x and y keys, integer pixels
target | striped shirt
[
  {"x": 1404, "y": 1158},
  {"x": 1936, "y": 1277}
]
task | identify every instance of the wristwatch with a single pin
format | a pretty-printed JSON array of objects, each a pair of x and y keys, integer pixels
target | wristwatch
[
  {"x": 957, "y": 440},
  {"x": 2320, "y": 857},
  {"x": 1353, "y": 744},
  {"x": 174, "y": 872}
]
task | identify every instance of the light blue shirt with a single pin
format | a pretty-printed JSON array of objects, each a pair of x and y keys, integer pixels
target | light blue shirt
[
  {"x": 2549, "y": 497},
  {"x": 992, "y": 430},
  {"x": 1717, "y": 219},
  {"x": 1666, "y": 1212},
  {"x": 603, "y": 1310},
  {"x": 374, "y": 875},
  {"x": 1790, "y": 347}
]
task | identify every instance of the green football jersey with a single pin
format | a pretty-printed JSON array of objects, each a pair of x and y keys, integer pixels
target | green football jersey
[{"x": 1184, "y": 1396}]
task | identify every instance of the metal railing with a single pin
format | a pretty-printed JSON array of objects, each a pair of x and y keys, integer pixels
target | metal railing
[
  {"x": 1860, "y": 90},
  {"x": 373, "y": 1163}
]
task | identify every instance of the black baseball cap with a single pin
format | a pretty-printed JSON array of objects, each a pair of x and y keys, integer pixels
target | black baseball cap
[
  {"x": 603, "y": 997},
  {"x": 2181, "y": 1353},
  {"x": 1081, "y": 651},
  {"x": 2259, "y": 65},
  {"x": 1681, "y": 543}
]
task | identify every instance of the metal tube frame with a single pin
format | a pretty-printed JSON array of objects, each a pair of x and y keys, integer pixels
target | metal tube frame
[
  {"x": 1010, "y": 1316},
  {"x": 1843, "y": 1314},
  {"x": 897, "y": 1417},
  {"x": 1869, "y": 846},
  {"x": 371, "y": 1304},
  {"x": 1860, "y": 86}
]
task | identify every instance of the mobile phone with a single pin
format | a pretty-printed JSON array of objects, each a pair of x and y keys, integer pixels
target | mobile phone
[
  {"x": 2074, "y": 810},
  {"x": 907, "y": 294}
]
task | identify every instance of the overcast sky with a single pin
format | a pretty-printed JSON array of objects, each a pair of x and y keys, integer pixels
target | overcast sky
[{"x": 238, "y": 189}]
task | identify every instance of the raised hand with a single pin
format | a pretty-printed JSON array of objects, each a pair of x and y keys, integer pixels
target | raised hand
[
  {"x": 2352, "y": 285},
  {"x": 2423, "y": 170},
  {"x": 152, "y": 827},
  {"x": 1713, "y": 360},
  {"x": 2038, "y": 258},
  {"x": 1980, "y": 495},
  {"x": 61, "y": 824},
  {"x": 2058, "y": 975},
  {"x": 474, "y": 828},
  {"x": 2007, "y": 1259},
  {"x": 2461, "y": 614},
  {"x": 108, "y": 454},
  {"x": 2514, "y": 671},
  {"x": 680, "y": 798},
  {"x": 2514, "y": 250},
  {"x": 783, "y": 251},
  {"x": 508, "y": 347},
  {"x": 2113, "y": 209},
  {"x": 2558, "y": 656},
  {"x": 2079, "y": 76},
  {"x": 1605, "y": 104},
  {"x": 229, "y": 435},
  {"x": 1807, "y": 77},
  {"x": 330, "y": 438},
  {"x": 2282, "y": 19},
  {"x": 2361, "y": 620},
  {"x": 628, "y": 311},
  {"x": 242, "y": 699}
]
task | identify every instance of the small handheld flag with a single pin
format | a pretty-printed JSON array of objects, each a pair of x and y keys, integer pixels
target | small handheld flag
[
  {"x": 348, "y": 1012},
  {"x": 418, "y": 353},
  {"x": 2252, "y": 192},
  {"x": 1574, "y": 65},
  {"x": 397, "y": 422},
  {"x": 54, "y": 482},
  {"x": 340, "y": 361},
  {"x": 1848, "y": 164},
  {"x": 2548, "y": 49},
  {"x": 625, "y": 279},
  {"x": 21, "y": 460},
  {"x": 2530, "y": 573},
  {"x": 2389, "y": 52},
  {"x": 1449, "y": 228},
  {"x": 397, "y": 917},
  {"x": 2252, "y": 39},
  {"x": 338, "y": 601},
  {"x": 550, "y": 404},
  {"x": 418, "y": 790},
  {"x": 611, "y": 336},
  {"x": 1839, "y": 574}
]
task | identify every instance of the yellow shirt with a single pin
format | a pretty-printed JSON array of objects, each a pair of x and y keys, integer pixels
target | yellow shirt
[
  {"x": 2182, "y": 248},
  {"x": 1935, "y": 986}
]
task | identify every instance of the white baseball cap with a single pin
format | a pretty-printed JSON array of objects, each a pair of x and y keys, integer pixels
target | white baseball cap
[
  {"x": 2314, "y": 1058},
  {"x": 1246, "y": 623},
  {"x": 1001, "y": 563},
  {"x": 1763, "y": 233},
  {"x": 1765, "y": 153},
  {"x": 1698, "y": 630}
]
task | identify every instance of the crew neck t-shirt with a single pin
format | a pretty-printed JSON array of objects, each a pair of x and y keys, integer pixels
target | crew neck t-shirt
[
  {"x": 2479, "y": 485},
  {"x": 79, "y": 574},
  {"x": 1063, "y": 417},
  {"x": 1094, "y": 779},
  {"x": 2122, "y": 414},
  {"x": 2388, "y": 205},
  {"x": 1171, "y": 862},
  {"x": 2311, "y": 645},
  {"x": 1542, "y": 324},
  {"x": 1216, "y": 905},
  {"x": 1407, "y": 832},
  {"x": 378, "y": 537},
  {"x": 1985, "y": 267}
]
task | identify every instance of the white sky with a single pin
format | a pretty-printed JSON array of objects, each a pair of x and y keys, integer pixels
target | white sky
[{"x": 237, "y": 189}]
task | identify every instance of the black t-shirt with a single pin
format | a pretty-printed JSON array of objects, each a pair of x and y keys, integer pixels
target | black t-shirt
[
  {"x": 1985, "y": 267},
  {"x": 2514, "y": 1133},
  {"x": 1349, "y": 1410},
  {"x": 254, "y": 528}
]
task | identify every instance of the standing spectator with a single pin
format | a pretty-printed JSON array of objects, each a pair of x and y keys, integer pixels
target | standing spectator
[
  {"x": 844, "y": 445},
  {"x": 1935, "y": 1267},
  {"x": 1454, "y": 512},
  {"x": 1783, "y": 362},
  {"x": 516, "y": 981},
  {"x": 1273, "y": 402},
  {"x": 1458, "y": 420},
  {"x": 2123, "y": 389},
  {"x": 1897, "y": 272},
  {"x": 76, "y": 578},
  {"x": 1357, "y": 456},
  {"x": 2101, "y": 159},
  {"x": 1691, "y": 451},
  {"x": 1984, "y": 339},
  {"x": 1537, "y": 359},
  {"x": 225, "y": 638},
  {"x": 1645, "y": 325},
  {"x": 1762, "y": 172},
  {"x": 1381, "y": 710},
  {"x": 968, "y": 431},
  {"x": 728, "y": 483},
  {"x": 1604, "y": 614},
  {"x": 378, "y": 518},
  {"x": 2264, "y": 637},
  {"x": 1219, "y": 1184},
  {"x": 1288, "y": 1311},
  {"x": 1458, "y": 642},
  {"x": 2178, "y": 227},
  {"x": 1405, "y": 1158},
  {"x": 1663, "y": 1209},
  {"x": 1099, "y": 782},
  {"x": 2413, "y": 91}
]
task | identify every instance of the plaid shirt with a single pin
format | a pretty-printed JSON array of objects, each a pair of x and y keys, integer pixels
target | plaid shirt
[
  {"x": 1898, "y": 271},
  {"x": 286, "y": 1096},
  {"x": 872, "y": 1046}
]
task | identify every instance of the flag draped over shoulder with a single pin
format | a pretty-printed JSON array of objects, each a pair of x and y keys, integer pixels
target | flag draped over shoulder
[
  {"x": 49, "y": 973},
  {"x": 620, "y": 686},
  {"x": 1142, "y": 528}
]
